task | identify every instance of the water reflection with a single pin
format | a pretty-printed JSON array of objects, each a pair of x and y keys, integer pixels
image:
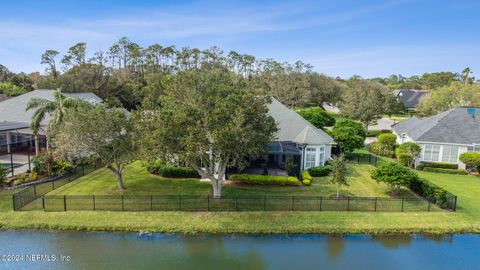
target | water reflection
[{"x": 335, "y": 246}]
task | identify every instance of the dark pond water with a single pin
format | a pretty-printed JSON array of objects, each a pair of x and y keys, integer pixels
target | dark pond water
[{"x": 81, "y": 250}]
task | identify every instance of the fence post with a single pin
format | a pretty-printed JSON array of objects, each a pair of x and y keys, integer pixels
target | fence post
[
  {"x": 293, "y": 203},
  {"x": 93, "y": 202},
  {"x": 369, "y": 159},
  {"x": 358, "y": 158},
  {"x": 123, "y": 205},
  {"x": 429, "y": 206},
  {"x": 151, "y": 202},
  {"x": 455, "y": 204},
  {"x": 35, "y": 191},
  {"x": 208, "y": 203},
  {"x": 402, "y": 204},
  {"x": 376, "y": 204},
  {"x": 43, "y": 203},
  {"x": 321, "y": 202},
  {"x": 64, "y": 202},
  {"x": 53, "y": 185},
  {"x": 376, "y": 161},
  {"x": 348, "y": 203},
  {"x": 13, "y": 203},
  {"x": 83, "y": 169}
]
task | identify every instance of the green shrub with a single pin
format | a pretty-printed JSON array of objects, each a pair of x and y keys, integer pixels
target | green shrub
[
  {"x": 442, "y": 170},
  {"x": 154, "y": 167},
  {"x": 172, "y": 171},
  {"x": 347, "y": 138},
  {"x": 471, "y": 160},
  {"x": 60, "y": 166},
  {"x": 394, "y": 175},
  {"x": 430, "y": 191},
  {"x": 442, "y": 165},
  {"x": 388, "y": 140},
  {"x": 291, "y": 168},
  {"x": 307, "y": 182},
  {"x": 317, "y": 117},
  {"x": 265, "y": 179},
  {"x": 356, "y": 126},
  {"x": 3, "y": 175},
  {"x": 305, "y": 175},
  {"x": 380, "y": 149},
  {"x": 10, "y": 89},
  {"x": 407, "y": 153},
  {"x": 320, "y": 171}
]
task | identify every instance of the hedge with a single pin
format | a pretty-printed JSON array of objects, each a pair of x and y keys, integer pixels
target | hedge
[
  {"x": 265, "y": 179},
  {"x": 430, "y": 191},
  {"x": 376, "y": 132},
  {"x": 443, "y": 165},
  {"x": 159, "y": 168},
  {"x": 442, "y": 170},
  {"x": 305, "y": 176},
  {"x": 320, "y": 171}
]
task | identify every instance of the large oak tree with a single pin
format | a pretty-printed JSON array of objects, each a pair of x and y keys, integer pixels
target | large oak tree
[{"x": 210, "y": 119}]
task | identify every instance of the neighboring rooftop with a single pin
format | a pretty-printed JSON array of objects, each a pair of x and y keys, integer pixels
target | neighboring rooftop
[
  {"x": 457, "y": 126},
  {"x": 409, "y": 97},
  {"x": 13, "y": 109},
  {"x": 294, "y": 128}
]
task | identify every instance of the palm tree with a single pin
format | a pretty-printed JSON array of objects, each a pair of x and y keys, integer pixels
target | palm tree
[
  {"x": 339, "y": 172},
  {"x": 56, "y": 108}
]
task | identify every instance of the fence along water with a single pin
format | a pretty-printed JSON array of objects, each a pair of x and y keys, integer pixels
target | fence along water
[
  {"x": 227, "y": 203},
  {"x": 36, "y": 198},
  {"x": 29, "y": 194}
]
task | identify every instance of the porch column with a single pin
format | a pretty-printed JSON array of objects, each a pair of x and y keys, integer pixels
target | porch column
[
  {"x": 37, "y": 146},
  {"x": 9, "y": 142},
  {"x": 301, "y": 158}
]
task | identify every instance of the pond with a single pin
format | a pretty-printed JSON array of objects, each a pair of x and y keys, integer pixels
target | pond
[{"x": 87, "y": 250}]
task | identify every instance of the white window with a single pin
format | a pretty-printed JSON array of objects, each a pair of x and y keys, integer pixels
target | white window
[
  {"x": 321, "y": 155},
  {"x": 431, "y": 152},
  {"x": 310, "y": 157},
  {"x": 450, "y": 153}
]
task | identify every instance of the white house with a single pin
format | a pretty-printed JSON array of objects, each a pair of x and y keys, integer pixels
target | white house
[
  {"x": 443, "y": 137},
  {"x": 297, "y": 139}
]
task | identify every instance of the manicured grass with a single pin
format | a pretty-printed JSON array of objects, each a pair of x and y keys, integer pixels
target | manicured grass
[
  {"x": 139, "y": 182},
  {"x": 465, "y": 220}
]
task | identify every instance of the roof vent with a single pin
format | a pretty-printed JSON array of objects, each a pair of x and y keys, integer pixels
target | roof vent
[{"x": 472, "y": 112}]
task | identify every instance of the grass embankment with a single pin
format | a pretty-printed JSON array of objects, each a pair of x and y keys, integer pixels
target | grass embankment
[{"x": 467, "y": 219}]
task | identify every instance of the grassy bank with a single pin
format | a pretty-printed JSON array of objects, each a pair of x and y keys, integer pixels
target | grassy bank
[{"x": 467, "y": 219}]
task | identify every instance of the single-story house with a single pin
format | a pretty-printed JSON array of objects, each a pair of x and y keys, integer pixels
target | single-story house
[
  {"x": 15, "y": 120},
  {"x": 443, "y": 137},
  {"x": 409, "y": 97},
  {"x": 297, "y": 139}
]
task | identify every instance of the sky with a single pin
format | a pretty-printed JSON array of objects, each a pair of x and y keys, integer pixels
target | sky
[{"x": 370, "y": 38}]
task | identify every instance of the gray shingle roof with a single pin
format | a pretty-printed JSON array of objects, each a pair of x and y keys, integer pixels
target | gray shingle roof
[
  {"x": 9, "y": 126},
  {"x": 452, "y": 126},
  {"x": 409, "y": 98},
  {"x": 294, "y": 128},
  {"x": 13, "y": 109}
]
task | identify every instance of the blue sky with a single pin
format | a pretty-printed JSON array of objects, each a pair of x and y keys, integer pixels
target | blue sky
[{"x": 339, "y": 38}]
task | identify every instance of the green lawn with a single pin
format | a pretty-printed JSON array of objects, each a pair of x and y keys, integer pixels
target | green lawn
[
  {"x": 139, "y": 182},
  {"x": 465, "y": 220}
]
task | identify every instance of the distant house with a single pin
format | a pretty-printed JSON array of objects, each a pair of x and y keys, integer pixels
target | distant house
[
  {"x": 409, "y": 97},
  {"x": 15, "y": 120},
  {"x": 297, "y": 140},
  {"x": 443, "y": 137}
]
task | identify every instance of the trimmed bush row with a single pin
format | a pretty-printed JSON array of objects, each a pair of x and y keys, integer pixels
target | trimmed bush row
[
  {"x": 375, "y": 133},
  {"x": 430, "y": 191},
  {"x": 172, "y": 171},
  {"x": 443, "y": 165},
  {"x": 306, "y": 178},
  {"x": 442, "y": 170},
  {"x": 265, "y": 179},
  {"x": 320, "y": 171}
]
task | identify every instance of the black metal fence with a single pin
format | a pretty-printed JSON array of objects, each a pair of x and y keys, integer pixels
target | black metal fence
[
  {"x": 227, "y": 203},
  {"x": 437, "y": 195},
  {"x": 29, "y": 194}
]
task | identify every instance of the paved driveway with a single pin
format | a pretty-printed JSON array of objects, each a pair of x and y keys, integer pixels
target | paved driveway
[{"x": 383, "y": 123}]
